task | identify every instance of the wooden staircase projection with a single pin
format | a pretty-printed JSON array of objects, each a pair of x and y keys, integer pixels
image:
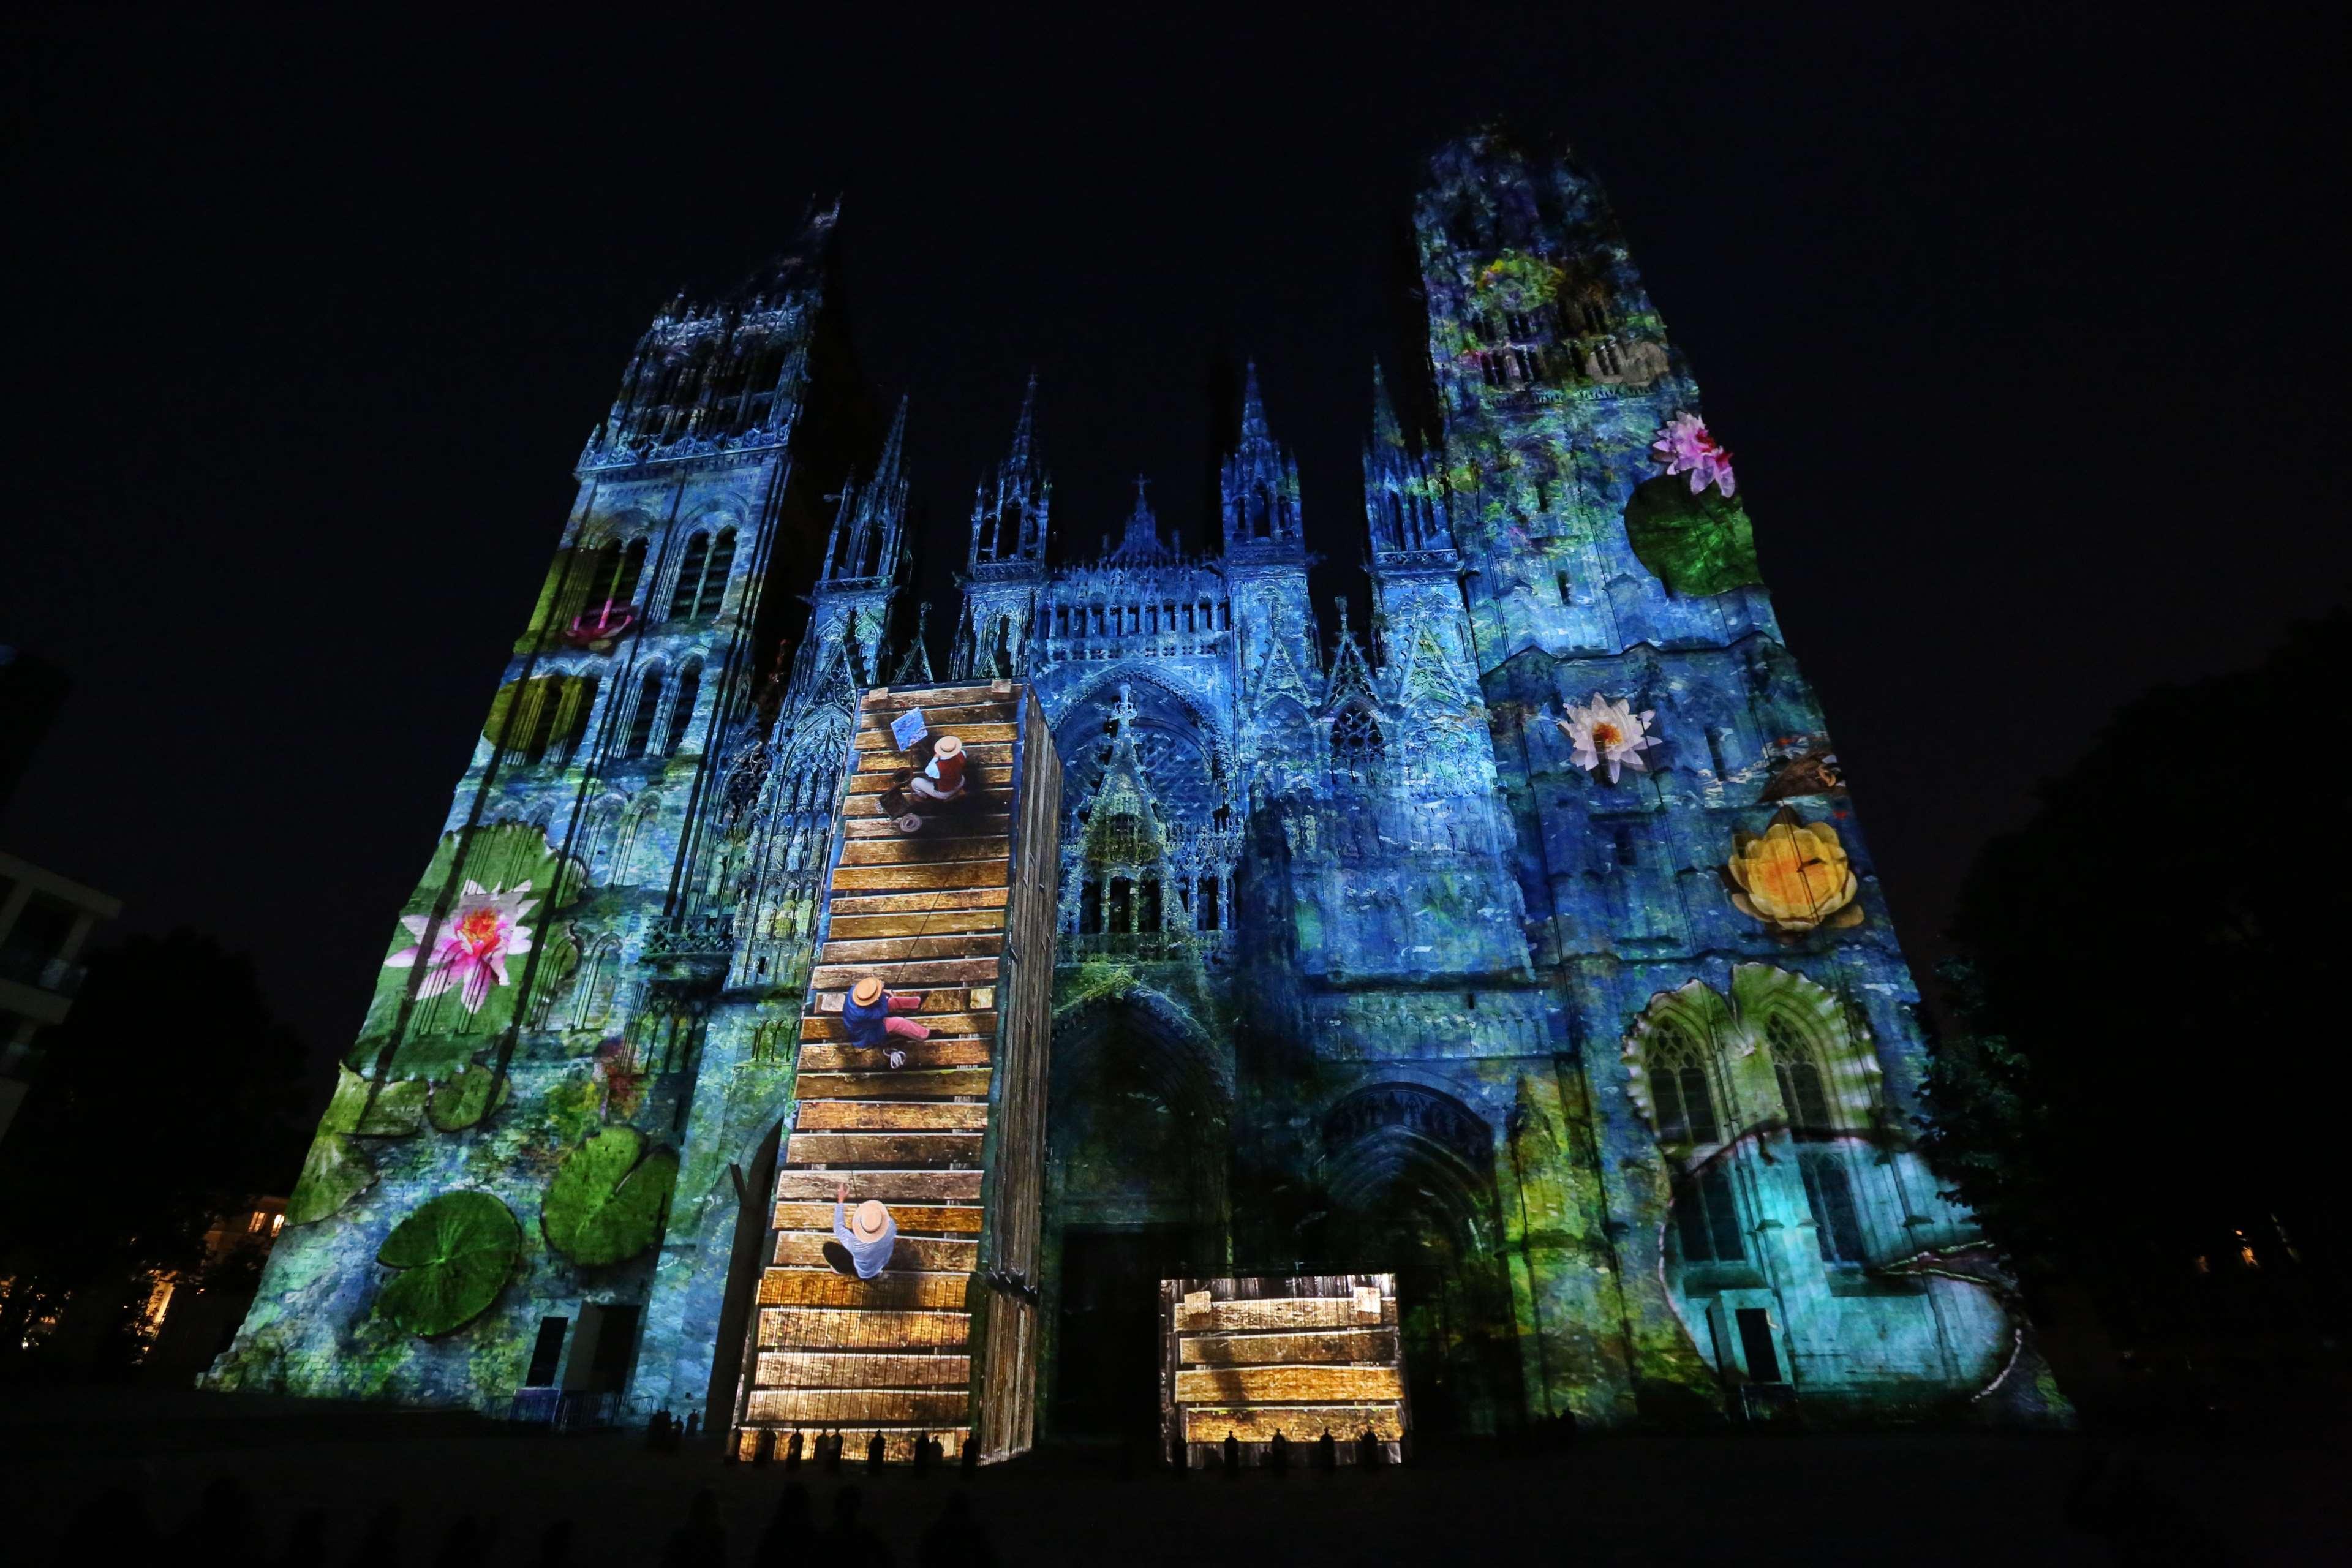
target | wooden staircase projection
[{"x": 953, "y": 1141}]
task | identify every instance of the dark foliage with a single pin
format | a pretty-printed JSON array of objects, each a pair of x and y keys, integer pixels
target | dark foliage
[
  {"x": 2148, "y": 1008},
  {"x": 169, "y": 1096}
]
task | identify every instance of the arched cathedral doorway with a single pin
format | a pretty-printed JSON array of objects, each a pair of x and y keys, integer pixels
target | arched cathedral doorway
[
  {"x": 1140, "y": 1153},
  {"x": 1409, "y": 1174}
]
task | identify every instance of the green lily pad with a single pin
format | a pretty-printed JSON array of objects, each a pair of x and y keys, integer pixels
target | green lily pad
[
  {"x": 433, "y": 1056},
  {"x": 606, "y": 1201},
  {"x": 454, "y": 1256},
  {"x": 398, "y": 1111},
  {"x": 465, "y": 1099},
  {"x": 335, "y": 1172},
  {"x": 1696, "y": 544}
]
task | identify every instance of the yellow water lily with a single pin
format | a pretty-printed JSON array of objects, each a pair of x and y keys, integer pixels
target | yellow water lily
[{"x": 1794, "y": 877}]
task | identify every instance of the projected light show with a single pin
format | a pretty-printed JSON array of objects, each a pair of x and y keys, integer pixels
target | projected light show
[{"x": 1477, "y": 1018}]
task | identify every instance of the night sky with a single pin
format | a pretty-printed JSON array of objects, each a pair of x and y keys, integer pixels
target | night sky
[{"x": 2026, "y": 335}]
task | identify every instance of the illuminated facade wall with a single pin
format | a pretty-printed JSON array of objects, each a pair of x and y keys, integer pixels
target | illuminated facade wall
[
  {"x": 1376, "y": 950},
  {"x": 1521, "y": 942}
]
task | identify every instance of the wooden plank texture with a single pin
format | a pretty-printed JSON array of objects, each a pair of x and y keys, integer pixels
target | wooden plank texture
[
  {"x": 936, "y": 913},
  {"x": 828, "y": 1027},
  {"x": 910, "y": 976},
  {"x": 939, "y": 1051},
  {"x": 831, "y": 1369},
  {"x": 856, "y": 1328},
  {"x": 913, "y": 946},
  {"x": 891, "y": 1115},
  {"x": 883, "y": 1148},
  {"x": 805, "y": 1249},
  {"x": 1297, "y": 1312},
  {"x": 1288, "y": 1384},
  {"x": 921, "y": 850},
  {"x": 826, "y": 1405},
  {"x": 1264, "y": 1350},
  {"x": 926, "y": 923},
  {"x": 892, "y": 1083},
  {"x": 824, "y": 1288},
  {"x": 915, "y": 1220},
  {"x": 919, "y": 904},
  {"x": 890, "y": 1186}
]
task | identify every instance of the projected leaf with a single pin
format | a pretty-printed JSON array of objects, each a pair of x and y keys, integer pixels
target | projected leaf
[
  {"x": 606, "y": 1201},
  {"x": 398, "y": 1111},
  {"x": 465, "y": 1099},
  {"x": 454, "y": 1256},
  {"x": 1695, "y": 544},
  {"x": 336, "y": 1170}
]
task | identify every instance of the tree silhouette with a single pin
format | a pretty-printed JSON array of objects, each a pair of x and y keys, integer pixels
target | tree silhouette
[
  {"x": 2149, "y": 1032},
  {"x": 169, "y": 1096}
]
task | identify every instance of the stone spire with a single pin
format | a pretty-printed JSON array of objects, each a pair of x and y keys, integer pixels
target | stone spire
[
  {"x": 1008, "y": 517},
  {"x": 1260, "y": 486}
]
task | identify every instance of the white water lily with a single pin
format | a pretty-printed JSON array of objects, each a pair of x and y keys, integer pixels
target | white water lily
[{"x": 1608, "y": 730}]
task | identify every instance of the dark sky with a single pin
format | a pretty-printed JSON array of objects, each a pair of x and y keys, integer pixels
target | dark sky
[{"x": 2026, "y": 334}]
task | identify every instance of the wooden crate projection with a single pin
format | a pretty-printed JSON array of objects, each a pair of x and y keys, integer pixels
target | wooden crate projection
[
  {"x": 1295, "y": 1354},
  {"x": 953, "y": 1141}
]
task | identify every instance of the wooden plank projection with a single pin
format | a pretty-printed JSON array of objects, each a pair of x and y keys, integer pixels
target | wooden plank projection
[
  {"x": 953, "y": 1139},
  {"x": 1295, "y": 1356}
]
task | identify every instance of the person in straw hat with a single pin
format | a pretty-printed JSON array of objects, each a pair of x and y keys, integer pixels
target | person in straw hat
[
  {"x": 942, "y": 779},
  {"x": 863, "y": 1238},
  {"x": 866, "y": 1018}
]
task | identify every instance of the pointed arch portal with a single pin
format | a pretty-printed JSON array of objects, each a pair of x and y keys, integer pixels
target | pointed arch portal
[
  {"x": 1409, "y": 1173},
  {"x": 1139, "y": 1123}
]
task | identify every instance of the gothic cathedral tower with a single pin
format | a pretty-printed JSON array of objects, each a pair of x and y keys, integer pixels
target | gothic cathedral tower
[{"x": 525, "y": 1184}]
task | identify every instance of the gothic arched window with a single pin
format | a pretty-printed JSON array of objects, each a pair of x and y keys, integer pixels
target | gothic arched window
[
  {"x": 714, "y": 574},
  {"x": 622, "y": 588},
  {"x": 1799, "y": 1069},
  {"x": 1837, "y": 1225},
  {"x": 1706, "y": 1217},
  {"x": 681, "y": 708},
  {"x": 641, "y": 717},
  {"x": 688, "y": 591},
  {"x": 1355, "y": 738},
  {"x": 1679, "y": 1087}
]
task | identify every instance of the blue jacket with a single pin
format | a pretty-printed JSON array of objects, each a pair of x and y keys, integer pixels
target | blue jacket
[
  {"x": 869, "y": 1256},
  {"x": 865, "y": 1023}
]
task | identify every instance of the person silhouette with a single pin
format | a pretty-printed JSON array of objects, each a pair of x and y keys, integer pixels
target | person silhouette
[
  {"x": 701, "y": 1540},
  {"x": 789, "y": 1529},
  {"x": 467, "y": 1545},
  {"x": 847, "y": 1539},
  {"x": 225, "y": 1527},
  {"x": 111, "y": 1527},
  {"x": 955, "y": 1539}
]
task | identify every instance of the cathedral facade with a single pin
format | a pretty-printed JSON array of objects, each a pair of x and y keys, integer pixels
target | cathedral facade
[{"x": 1520, "y": 943}]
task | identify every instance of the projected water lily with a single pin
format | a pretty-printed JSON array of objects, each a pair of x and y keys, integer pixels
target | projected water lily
[
  {"x": 481, "y": 934},
  {"x": 1608, "y": 732},
  {"x": 1684, "y": 447},
  {"x": 1794, "y": 877}
]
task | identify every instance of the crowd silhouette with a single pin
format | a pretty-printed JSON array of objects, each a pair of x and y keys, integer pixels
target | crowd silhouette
[{"x": 228, "y": 1527}]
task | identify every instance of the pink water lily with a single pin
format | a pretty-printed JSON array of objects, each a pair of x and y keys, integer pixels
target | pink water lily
[
  {"x": 1684, "y": 447},
  {"x": 481, "y": 934}
]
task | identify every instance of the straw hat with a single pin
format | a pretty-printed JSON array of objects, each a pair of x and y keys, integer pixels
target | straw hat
[
  {"x": 866, "y": 991},
  {"x": 949, "y": 746},
  {"x": 869, "y": 1221}
]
